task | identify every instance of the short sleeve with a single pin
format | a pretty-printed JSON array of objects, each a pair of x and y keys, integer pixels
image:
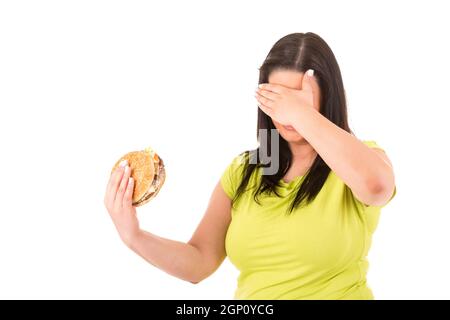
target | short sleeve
[
  {"x": 374, "y": 144},
  {"x": 232, "y": 175}
]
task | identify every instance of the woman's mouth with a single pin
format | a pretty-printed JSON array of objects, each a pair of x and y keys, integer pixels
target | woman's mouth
[{"x": 289, "y": 128}]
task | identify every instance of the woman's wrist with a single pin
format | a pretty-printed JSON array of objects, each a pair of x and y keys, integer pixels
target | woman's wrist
[
  {"x": 302, "y": 115},
  {"x": 130, "y": 238}
]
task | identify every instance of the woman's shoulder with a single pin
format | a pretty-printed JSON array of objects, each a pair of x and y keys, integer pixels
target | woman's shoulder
[
  {"x": 240, "y": 160},
  {"x": 234, "y": 171}
]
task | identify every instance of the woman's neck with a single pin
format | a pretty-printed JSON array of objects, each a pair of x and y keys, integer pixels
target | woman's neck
[{"x": 302, "y": 151}]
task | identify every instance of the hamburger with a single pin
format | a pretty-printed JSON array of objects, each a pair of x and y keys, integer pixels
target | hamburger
[{"x": 148, "y": 172}]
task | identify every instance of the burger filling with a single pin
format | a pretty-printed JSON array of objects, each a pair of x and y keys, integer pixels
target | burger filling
[{"x": 154, "y": 187}]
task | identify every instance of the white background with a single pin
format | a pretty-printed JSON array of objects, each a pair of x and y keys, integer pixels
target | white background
[{"x": 82, "y": 82}]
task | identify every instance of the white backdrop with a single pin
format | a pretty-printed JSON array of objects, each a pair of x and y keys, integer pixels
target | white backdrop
[{"x": 82, "y": 82}]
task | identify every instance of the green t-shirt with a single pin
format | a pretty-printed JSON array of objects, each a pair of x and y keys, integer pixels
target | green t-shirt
[{"x": 317, "y": 252}]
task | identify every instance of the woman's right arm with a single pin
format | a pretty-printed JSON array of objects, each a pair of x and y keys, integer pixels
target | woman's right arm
[{"x": 192, "y": 261}]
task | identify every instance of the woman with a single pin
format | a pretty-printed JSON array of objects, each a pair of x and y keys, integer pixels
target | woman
[{"x": 302, "y": 231}]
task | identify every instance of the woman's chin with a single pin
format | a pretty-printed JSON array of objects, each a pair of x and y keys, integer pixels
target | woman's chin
[
  {"x": 291, "y": 136},
  {"x": 288, "y": 133}
]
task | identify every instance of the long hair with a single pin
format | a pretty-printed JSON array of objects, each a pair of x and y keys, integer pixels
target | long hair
[{"x": 298, "y": 52}]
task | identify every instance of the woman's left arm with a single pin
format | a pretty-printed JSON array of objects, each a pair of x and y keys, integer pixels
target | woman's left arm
[{"x": 367, "y": 171}]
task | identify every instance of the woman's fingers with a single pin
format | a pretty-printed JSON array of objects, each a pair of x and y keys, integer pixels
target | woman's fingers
[
  {"x": 266, "y": 109},
  {"x": 268, "y": 94},
  {"x": 263, "y": 100},
  {"x": 113, "y": 184},
  {"x": 307, "y": 80},
  {"x": 108, "y": 194},
  {"x": 117, "y": 177},
  {"x": 118, "y": 200},
  {"x": 127, "y": 198},
  {"x": 277, "y": 88}
]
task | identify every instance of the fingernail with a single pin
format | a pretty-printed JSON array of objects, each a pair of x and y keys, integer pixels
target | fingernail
[
  {"x": 310, "y": 72},
  {"x": 130, "y": 180},
  {"x": 123, "y": 163},
  {"x": 127, "y": 168}
]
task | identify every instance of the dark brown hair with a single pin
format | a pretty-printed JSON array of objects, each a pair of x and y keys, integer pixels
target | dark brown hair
[{"x": 298, "y": 52}]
